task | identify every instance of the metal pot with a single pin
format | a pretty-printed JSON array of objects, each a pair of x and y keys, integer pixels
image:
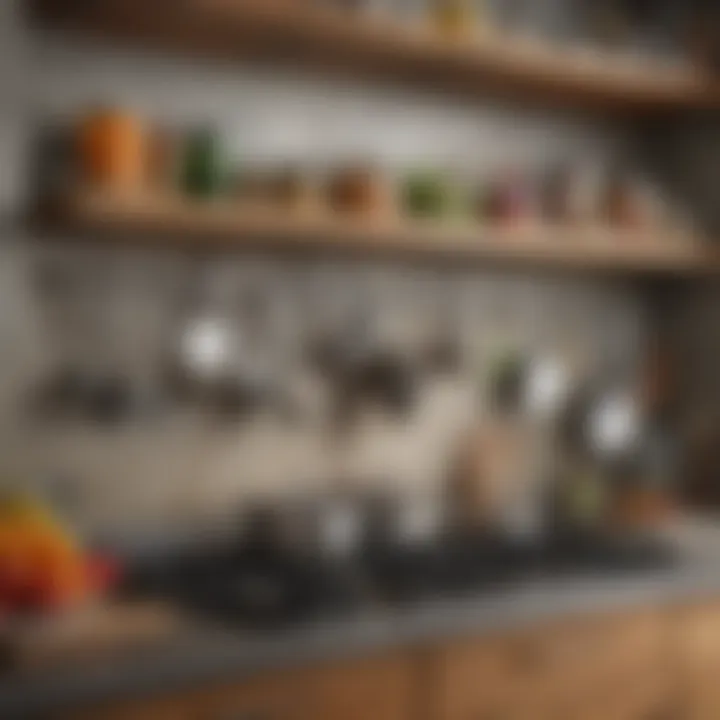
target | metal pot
[{"x": 316, "y": 526}]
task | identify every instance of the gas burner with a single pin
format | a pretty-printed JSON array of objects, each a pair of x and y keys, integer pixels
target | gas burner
[
  {"x": 454, "y": 565},
  {"x": 257, "y": 589},
  {"x": 462, "y": 565}
]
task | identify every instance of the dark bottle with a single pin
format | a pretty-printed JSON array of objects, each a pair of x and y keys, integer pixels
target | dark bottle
[{"x": 203, "y": 172}]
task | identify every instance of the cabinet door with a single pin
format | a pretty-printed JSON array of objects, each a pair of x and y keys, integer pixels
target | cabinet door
[
  {"x": 564, "y": 670},
  {"x": 698, "y": 643},
  {"x": 698, "y": 633},
  {"x": 649, "y": 697},
  {"x": 183, "y": 707},
  {"x": 490, "y": 679},
  {"x": 702, "y": 701},
  {"x": 377, "y": 688},
  {"x": 273, "y": 697}
]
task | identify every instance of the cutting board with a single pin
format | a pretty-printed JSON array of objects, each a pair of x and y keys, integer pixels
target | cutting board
[{"x": 84, "y": 635}]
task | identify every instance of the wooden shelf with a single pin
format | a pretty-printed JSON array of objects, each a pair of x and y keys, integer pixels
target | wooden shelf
[
  {"x": 226, "y": 226},
  {"x": 303, "y": 33}
]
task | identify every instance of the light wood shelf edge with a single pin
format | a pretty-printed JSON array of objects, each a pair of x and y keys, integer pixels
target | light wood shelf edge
[
  {"x": 333, "y": 39},
  {"x": 487, "y": 52},
  {"x": 227, "y": 225}
]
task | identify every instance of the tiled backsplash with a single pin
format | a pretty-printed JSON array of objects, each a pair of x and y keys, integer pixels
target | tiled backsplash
[{"x": 182, "y": 469}]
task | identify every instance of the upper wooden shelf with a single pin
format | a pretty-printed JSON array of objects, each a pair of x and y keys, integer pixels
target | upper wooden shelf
[
  {"x": 225, "y": 225},
  {"x": 336, "y": 41}
]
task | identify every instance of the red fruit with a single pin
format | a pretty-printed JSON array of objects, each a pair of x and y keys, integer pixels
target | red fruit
[
  {"x": 63, "y": 586},
  {"x": 16, "y": 580},
  {"x": 103, "y": 573}
]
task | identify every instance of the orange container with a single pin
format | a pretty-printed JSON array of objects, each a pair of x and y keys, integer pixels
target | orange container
[{"x": 113, "y": 150}]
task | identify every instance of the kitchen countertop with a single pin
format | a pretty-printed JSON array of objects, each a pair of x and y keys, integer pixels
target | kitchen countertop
[{"x": 203, "y": 653}]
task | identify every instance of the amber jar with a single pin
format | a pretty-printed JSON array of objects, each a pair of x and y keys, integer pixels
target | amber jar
[{"x": 113, "y": 150}]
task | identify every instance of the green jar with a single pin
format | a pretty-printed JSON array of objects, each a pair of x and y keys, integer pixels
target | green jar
[{"x": 203, "y": 168}]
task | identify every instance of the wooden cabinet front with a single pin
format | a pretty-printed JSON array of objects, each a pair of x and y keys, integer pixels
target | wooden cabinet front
[
  {"x": 650, "y": 665},
  {"x": 698, "y": 648},
  {"x": 491, "y": 679},
  {"x": 274, "y": 697},
  {"x": 377, "y": 688},
  {"x": 605, "y": 668}
]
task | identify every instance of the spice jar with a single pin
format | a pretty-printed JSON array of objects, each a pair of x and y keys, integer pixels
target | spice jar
[
  {"x": 203, "y": 171},
  {"x": 454, "y": 18},
  {"x": 112, "y": 150}
]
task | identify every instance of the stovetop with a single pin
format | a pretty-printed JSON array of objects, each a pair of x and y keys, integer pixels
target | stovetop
[
  {"x": 257, "y": 588},
  {"x": 264, "y": 587},
  {"x": 462, "y": 565}
]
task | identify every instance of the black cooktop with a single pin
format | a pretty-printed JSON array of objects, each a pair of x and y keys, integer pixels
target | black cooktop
[
  {"x": 251, "y": 586},
  {"x": 261, "y": 586}
]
